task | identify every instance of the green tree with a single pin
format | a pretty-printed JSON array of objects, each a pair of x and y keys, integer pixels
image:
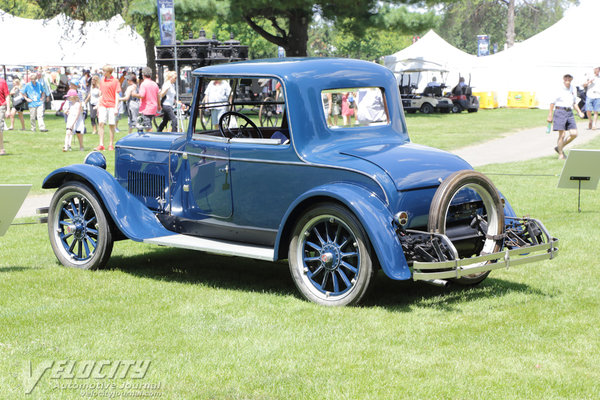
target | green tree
[
  {"x": 363, "y": 28},
  {"x": 532, "y": 20},
  {"x": 462, "y": 21},
  {"x": 142, "y": 14},
  {"x": 191, "y": 15},
  {"x": 327, "y": 40},
  {"x": 286, "y": 23},
  {"x": 392, "y": 29},
  {"x": 21, "y": 8},
  {"x": 82, "y": 10}
]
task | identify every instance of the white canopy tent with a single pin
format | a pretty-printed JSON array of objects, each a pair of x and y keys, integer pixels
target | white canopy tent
[
  {"x": 535, "y": 65},
  {"x": 61, "y": 41},
  {"x": 539, "y": 63},
  {"x": 432, "y": 53}
]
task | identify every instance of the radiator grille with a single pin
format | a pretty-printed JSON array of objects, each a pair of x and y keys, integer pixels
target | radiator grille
[{"x": 146, "y": 185}]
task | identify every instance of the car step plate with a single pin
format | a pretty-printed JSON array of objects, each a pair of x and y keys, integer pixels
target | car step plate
[{"x": 214, "y": 246}]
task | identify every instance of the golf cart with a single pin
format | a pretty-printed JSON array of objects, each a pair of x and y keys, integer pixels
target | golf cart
[
  {"x": 431, "y": 100},
  {"x": 462, "y": 97}
]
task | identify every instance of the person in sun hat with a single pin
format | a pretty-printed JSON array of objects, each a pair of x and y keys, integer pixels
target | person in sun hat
[
  {"x": 74, "y": 124},
  {"x": 561, "y": 113}
]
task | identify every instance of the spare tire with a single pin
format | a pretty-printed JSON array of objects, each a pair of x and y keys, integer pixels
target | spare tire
[{"x": 492, "y": 212}]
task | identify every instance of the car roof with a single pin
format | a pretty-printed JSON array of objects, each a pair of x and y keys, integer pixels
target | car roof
[
  {"x": 322, "y": 72},
  {"x": 304, "y": 79}
]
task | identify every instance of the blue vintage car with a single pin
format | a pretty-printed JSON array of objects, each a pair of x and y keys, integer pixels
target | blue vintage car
[{"x": 307, "y": 160}]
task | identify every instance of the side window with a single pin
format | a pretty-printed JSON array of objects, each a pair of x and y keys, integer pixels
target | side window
[
  {"x": 261, "y": 99},
  {"x": 353, "y": 107},
  {"x": 215, "y": 99},
  {"x": 255, "y": 109}
]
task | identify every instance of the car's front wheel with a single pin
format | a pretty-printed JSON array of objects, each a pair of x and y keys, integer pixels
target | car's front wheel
[
  {"x": 330, "y": 256},
  {"x": 78, "y": 227}
]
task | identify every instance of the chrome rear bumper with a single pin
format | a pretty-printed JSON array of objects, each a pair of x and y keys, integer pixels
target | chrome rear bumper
[{"x": 454, "y": 269}]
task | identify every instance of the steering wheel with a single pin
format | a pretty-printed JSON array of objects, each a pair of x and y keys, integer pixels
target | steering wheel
[{"x": 246, "y": 129}]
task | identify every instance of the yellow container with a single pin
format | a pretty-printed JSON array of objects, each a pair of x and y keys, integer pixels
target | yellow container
[
  {"x": 487, "y": 100},
  {"x": 521, "y": 100}
]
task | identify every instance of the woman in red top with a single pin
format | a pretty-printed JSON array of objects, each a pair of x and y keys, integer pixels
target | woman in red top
[{"x": 148, "y": 93}]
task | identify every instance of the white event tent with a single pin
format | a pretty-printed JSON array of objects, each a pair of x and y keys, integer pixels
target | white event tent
[
  {"x": 61, "y": 41},
  {"x": 539, "y": 63},
  {"x": 432, "y": 53},
  {"x": 534, "y": 65}
]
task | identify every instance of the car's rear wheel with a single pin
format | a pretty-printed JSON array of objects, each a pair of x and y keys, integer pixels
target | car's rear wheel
[
  {"x": 78, "y": 227},
  {"x": 468, "y": 209},
  {"x": 330, "y": 256},
  {"x": 456, "y": 108},
  {"x": 427, "y": 108}
]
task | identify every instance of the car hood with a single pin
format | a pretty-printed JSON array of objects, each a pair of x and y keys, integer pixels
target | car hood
[{"x": 410, "y": 166}]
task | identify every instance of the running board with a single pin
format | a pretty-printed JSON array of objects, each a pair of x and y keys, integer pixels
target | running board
[{"x": 214, "y": 246}]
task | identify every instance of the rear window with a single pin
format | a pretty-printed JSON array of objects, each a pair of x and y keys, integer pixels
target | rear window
[{"x": 354, "y": 107}]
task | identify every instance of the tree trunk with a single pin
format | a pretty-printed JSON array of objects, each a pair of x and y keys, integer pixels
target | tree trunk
[
  {"x": 150, "y": 44},
  {"x": 510, "y": 24},
  {"x": 298, "y": 34}
]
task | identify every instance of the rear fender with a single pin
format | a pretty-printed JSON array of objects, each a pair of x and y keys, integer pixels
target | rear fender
[
  {"x": 508, "y": 210},
  {"x": 372, "y": 213},
  {"x": 130, "y": 215}
]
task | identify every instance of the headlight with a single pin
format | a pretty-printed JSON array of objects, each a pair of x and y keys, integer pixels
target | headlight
[{"x": 96, "y": 158}]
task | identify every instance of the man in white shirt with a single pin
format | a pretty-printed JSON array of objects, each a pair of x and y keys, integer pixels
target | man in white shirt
[
  {"x": 371, "y": 107},
  {"x": 561, "y": 113},
  {"x": 592, "y": 101},
  {"x": 216, "y": 96}
]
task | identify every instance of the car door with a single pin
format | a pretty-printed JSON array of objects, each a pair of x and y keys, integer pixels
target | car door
[{"x": 209, "y": 186}]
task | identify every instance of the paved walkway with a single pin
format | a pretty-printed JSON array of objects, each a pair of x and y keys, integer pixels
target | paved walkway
[
  {"x": 523, "y": 145},
  {"x": 33, "y": 202}
]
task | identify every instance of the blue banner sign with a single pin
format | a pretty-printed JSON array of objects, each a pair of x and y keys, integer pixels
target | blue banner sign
[
  {"x": 483, "y": 45},
  {"x": 166, "y": 21}
]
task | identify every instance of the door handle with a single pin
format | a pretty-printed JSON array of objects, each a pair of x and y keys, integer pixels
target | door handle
[{"x": 224, "y": 170}]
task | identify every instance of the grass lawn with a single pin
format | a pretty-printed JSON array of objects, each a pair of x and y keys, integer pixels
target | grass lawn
[
  {"x": 228, "y": 328},
  {"x": 33, "y": 155}
]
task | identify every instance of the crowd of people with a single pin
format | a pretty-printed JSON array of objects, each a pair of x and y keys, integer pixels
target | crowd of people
[{"x": 101, "y": 96}]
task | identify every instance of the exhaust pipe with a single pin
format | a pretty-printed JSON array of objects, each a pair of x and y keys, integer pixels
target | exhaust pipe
[{"x": 438, "y": 282}]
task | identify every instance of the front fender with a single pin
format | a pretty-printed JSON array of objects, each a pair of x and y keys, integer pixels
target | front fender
[
  {"x": 372, "y": 213},
  {"x": 131, "y": 216}
]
